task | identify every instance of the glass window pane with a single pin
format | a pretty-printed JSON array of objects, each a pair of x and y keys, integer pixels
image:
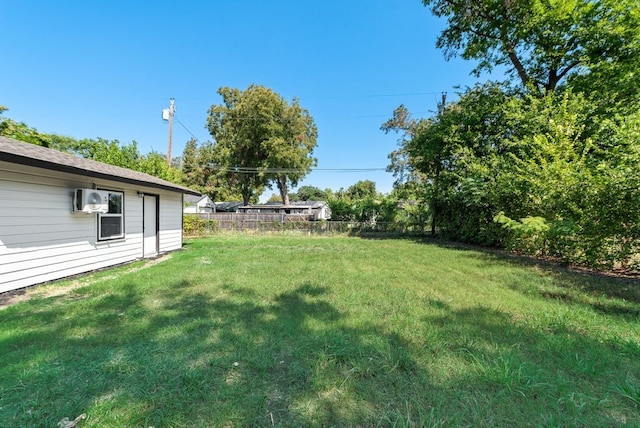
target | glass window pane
[
  {"x": 115, "y": 203},
  {"x": 110, "y": 226}
]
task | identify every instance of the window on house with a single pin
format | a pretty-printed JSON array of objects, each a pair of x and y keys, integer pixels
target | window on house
[{"x": 111, "y": 224}]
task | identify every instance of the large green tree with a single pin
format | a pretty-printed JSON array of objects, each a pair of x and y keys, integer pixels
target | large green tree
[
  {"x": 261, "y": 140},
  {"x": 522, "y": 171},
  {"x": 402, "y": 169},
  {"x": 542, "y": 163},
  {"x": 362, "y": 189},
  {"x": 312, "y": 193},
  {"x": 189, "y": 162},
  {"x": 200, "y": 171},
  {"x": 541, "y": 42}
]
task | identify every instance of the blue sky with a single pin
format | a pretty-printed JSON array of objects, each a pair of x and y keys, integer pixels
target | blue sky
[{"x": 91, "y": 69}]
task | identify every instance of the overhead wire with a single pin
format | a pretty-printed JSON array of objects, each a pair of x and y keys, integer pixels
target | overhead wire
[
  {"x": 248, "y": 170},
  {"x": 435, "y": 94},
  {"x": 187, "y": 129},
  {"x": 255, "y": 170}
]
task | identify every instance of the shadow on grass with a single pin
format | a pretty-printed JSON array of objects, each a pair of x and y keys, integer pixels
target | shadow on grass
[
  {"x": 548, "y": 373},
  {"x": 188, "y": 356}
]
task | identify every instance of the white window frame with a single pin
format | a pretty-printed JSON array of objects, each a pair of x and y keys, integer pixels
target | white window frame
[{"x": 111, "y": 214}]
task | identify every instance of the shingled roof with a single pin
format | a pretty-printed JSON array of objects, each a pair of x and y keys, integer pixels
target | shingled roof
[{"x": 22, "y": 153}]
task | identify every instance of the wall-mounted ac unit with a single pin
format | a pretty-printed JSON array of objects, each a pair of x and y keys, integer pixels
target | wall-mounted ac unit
[{"x": 90, "y": 201}]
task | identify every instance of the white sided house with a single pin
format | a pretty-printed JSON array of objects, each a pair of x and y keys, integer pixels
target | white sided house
[{"x": 61, "y": 215}]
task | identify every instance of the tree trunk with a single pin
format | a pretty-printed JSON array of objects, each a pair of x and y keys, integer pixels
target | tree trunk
[
  {"x": 522, "y": 73},
  {"x": 246, "y": 197},
  {"x": 434, "y": 199},
  {"x": 284, "y": 191},
  {"x": 433, "y": 220}
]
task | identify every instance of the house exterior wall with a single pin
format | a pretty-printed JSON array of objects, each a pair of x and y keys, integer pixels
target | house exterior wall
[
  {"x": 41, "y": 239},
  {"x": 204, "y": 205},
  {"x": 170, "y": 222},
  {"x": 324, "y": 213},
  {"x": 318, "y": 211}
]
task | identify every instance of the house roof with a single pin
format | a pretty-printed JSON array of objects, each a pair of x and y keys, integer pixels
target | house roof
[
  {"x": 22, "y": 153},
  {"x": 294, "y": 204},
  {"x": 227, "y": 206},
  {"x": 312, "y": 204},
  {"x": 194, "y": 199}
]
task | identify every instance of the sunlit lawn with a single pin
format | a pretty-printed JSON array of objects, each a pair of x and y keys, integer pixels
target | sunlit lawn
[{"x": 304, "y": 331}]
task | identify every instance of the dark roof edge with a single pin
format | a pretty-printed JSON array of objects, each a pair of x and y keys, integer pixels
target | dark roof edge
[{"x": 22, "y": 160}]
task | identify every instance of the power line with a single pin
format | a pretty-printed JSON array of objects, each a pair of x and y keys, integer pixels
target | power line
[
  {"x": 299, "y": 97},
  {"x": 256, "y": 170},
  {"x": 408, "y": 94},
  {"x": 387, "y": 115},
  {"x": 187, "y": 129}
]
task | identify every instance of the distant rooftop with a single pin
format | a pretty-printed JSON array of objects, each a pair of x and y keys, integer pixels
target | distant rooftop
[{"x": 294, "y": 204}]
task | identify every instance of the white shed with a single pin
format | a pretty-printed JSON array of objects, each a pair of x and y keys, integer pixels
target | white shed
[
  {"x": 198, "y": 204},
  {"x": 45, "y": 235}
]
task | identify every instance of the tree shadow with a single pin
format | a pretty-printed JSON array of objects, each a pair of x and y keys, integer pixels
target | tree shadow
[
  {"x": 227, "y": 356},
  {"x": 189, "y": 358},
  {"x": 545, "y": 372}
]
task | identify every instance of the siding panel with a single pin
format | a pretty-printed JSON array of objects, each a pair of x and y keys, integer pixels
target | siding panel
[
  {"x": 170, "y": 222},
  {"x": 60, "y": 272},
  {"x": 41, "y": 239}
]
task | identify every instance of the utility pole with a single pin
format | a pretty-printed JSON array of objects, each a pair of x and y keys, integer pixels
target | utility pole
[
  {"x": 442, "y": 103},
  {"x": 436, "y": 181},
  {"x": 167, "y": 115}
]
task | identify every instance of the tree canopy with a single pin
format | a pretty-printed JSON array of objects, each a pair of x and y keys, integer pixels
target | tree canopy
[
  {"x": 107, "y": 151},
  {"x": 312, "y": 193},
  {"x": 200, "y": 172},
  {"x": 21, "y": 131},
  {"x": 261, "y": 139},
  {"x": 541, "y": 42},
  {"x": 547, "y": 162},
  {"x": 361, "y": 190}
]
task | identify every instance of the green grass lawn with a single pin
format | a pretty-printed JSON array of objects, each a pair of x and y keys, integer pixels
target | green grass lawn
[{"x": 304, "y": 331}]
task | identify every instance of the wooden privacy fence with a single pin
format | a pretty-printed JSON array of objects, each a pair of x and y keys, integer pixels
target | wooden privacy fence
[{"x": 214, "y": 223}]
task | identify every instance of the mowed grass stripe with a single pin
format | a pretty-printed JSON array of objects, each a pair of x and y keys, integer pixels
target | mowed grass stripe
[{"x": 317, "y": 331}]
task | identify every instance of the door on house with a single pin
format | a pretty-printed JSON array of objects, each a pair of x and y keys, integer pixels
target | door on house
[{"x": 150, "y": 226}]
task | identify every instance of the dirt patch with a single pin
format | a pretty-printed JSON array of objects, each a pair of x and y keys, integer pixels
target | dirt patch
[
  {"x": 10, "y": 297},
  {"x": 50, "y": 289}
]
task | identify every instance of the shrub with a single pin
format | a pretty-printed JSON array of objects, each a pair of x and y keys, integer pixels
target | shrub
[{"x": 194, "y": 225}]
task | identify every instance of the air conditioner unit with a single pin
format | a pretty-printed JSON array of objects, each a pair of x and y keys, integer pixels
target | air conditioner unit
[{"x": 90, "y": 201}]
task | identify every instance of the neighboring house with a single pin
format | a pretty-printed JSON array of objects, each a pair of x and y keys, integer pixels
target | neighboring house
[
  {"x": 317, "y": 210},
  {"x": 227, "y": 207},
  {"x": 44, "y": 233},
  {"x": 198, "y": 204}
]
